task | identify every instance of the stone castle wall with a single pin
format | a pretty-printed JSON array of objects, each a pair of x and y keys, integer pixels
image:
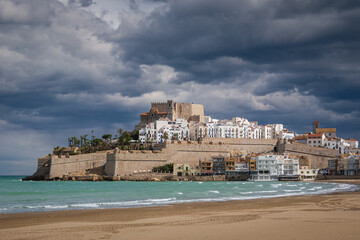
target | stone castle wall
[
  {"x": 60, "y": 166},
  {"x": 123, "y": 163},
  {"x": 161, "y": 106},
  {"x": 197, "y": 109},
  {"x": 319, "y": 156}
]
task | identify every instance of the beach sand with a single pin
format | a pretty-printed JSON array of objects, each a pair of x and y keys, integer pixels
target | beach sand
[{"x": 335, "y": 216}]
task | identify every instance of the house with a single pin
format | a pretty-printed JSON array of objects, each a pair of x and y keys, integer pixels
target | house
[
  {"x": 315, "y": 140},
  {"x": 307, "y": 173}
]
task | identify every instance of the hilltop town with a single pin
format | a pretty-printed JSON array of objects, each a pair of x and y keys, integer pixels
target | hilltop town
[{"x": 177, "y": 141}]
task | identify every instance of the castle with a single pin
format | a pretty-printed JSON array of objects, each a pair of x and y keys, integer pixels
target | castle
[{"x": 172, "y": 110}]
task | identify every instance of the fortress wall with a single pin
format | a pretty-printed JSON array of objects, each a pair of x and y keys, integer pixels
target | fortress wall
[
  {"x": 319, "y": 156},
  {"x": 111, "y": 164},
  {"x": 197, "y": 109},
  {"x": 241, "y": 141},
  {"x": 42, "y": 161},
  {"x": 63, "y": 165},
  {"x": 162, "y": 107},
  {"x": 124, "y": 163}
]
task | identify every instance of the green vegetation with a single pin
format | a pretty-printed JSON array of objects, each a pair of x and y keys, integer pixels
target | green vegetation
[
  {"x": 166, "y": 136},
  {"x": 166, "y": 168},
  {"x": 126, "y": 140},
  {"x": 175, "y": 136}
]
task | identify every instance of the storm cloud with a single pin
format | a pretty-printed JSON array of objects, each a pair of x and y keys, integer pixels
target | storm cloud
[{"x": 70, "y": 67}]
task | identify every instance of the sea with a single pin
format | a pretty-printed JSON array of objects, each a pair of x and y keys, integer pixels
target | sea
[{"x": 17, "y": 196}]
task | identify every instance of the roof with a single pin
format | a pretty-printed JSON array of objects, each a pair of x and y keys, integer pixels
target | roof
[
  {"x": 300, "y": 137},
  {"x": 315, "y": 136},
  {"x": 325, "y": 130},
  {"x": 353, "y": 140},
  {"x": 144, "y": 114}
]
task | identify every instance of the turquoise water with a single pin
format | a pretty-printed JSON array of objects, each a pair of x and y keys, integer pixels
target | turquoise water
[{"x": 32, "y": 196}]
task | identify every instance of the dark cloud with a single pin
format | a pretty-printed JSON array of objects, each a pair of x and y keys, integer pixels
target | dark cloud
[
  {"x": 66, "y": 70},
  {"x": 82, "y": 3}
]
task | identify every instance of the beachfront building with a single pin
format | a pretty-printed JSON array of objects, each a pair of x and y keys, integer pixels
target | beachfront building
[
  {"x": 307, "y": 174},
  {"x": 266, "y": 168},
  {"x": 186, "y": 170},
  {"x": 206, "y": 167},
  {"x": 344, "y": 164},
  {"x": 271, "y": 167}
]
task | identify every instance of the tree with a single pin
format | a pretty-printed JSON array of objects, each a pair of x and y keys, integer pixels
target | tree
[
  {"x": 85, "y": 140},
  {"x": 125, "y": 138},
  {"x": 134, "y": 135},
  {"x": 120, "y": 131},
  {"x": 165, "y": 168},
  {"x": 166, "y": 136},
  {"x": 96, "y": 142},
  {"x": 81, "y": 140},
  {"x": 107, "y": 137}
]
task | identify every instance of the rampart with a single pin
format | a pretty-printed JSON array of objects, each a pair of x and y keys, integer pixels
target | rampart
[
  {"x": 319, "y": 156},
  {"x": 122, "y": 163},
  {"x": 63, "y": 165},
  {"x": 119, "y": 163}
]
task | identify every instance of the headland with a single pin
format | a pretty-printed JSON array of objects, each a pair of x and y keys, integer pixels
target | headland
[{"x": 178, "y": 142}]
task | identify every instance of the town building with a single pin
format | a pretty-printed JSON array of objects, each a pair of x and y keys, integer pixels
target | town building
[
  {"x": 344, "y": 164},
  {"x": 164, "y": 129},
  {"x": 307, "y": 174},
  {"x": 270, "y": 167},
  {"x": 328, "y": 132},
  {"x": 186, "y": 170},
  {"x": 316, "y": 140}
]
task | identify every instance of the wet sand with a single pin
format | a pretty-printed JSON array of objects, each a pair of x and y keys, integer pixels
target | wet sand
[{"x": 334, "y": 216}]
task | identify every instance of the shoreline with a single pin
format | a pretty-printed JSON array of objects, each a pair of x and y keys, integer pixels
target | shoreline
[
  {"x": 200, "y": 201},
  {"x": 293, "y": 215}
]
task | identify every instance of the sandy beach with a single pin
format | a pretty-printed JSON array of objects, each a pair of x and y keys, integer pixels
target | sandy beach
[{"x": 334, "y": 216}]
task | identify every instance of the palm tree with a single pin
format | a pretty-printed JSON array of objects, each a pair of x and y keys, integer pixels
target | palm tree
[
  {"x": 85, "y": 140},
  {"x": 120, "y": 131},
  {"x": 81, "y": 141},
  {"x": 92, "y": 135}
]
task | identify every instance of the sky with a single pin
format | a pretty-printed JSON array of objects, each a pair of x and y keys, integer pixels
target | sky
[{"x": 70, "y": 67}]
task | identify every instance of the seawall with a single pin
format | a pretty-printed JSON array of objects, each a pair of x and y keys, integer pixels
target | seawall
[
  {"x": 63, "y": 165},
  {"x": 319, "y": 156}
]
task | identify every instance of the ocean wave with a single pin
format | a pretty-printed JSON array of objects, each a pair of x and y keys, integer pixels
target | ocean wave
[
  {"x": 214, "y": 191},
  {"x": 189, "y": 191}
]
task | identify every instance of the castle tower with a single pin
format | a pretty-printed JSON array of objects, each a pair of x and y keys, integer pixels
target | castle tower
[
  {"x": 171, "y": 109},
  {"x": 316, "y": 125}
]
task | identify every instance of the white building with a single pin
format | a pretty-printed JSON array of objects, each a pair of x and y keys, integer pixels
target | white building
[
  {"x": 339, "y": 144},
  {"x": 236, "y": 128},
  {"x": 270, "y": 167},
  {"x": 285, "y": 134},
  {"x": 157, "y": 131},
  {"x": 316, "y": 140}
]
